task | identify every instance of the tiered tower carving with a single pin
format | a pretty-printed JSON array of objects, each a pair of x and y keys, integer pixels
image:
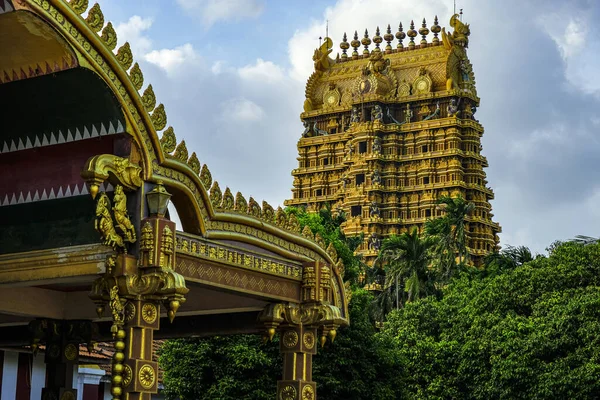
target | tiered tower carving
[{"x": 388, "y": 131}]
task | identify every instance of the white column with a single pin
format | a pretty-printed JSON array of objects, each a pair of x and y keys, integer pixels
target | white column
[
  {"x": 88, "y": 374},
  {"x": 9, "y": 375},
  {"x": 38, "y": 377}
]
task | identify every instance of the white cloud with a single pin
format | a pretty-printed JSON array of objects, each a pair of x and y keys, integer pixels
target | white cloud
[
  {"x": 262, "y": 71},
  {"x": 170, "y": 59},
  {"x": 241, "y": 110},
  {"x": 211, "y": 11},
  {"x": 132, "y": 32}
]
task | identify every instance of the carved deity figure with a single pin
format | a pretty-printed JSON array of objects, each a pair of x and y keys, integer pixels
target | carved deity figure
[
  {"x": 376, "y": 177},
  {"x": 374, "y": 242},
  {"x": 377, "y": 114},
  {"x": 307, "y": 129},
  {"x": 166, "y": 247},
  {"x": 349, "y": 150},
  {"x": 374, "y": 211},
  {"x": 408, "y": 114},
  {"x": 453, "y": 108},
  {"x": 376, "y": 147},
  {"x": 120, "y": 212},
  {"x": 355, "y": 116},
  {"x": 104, "y": 223}
]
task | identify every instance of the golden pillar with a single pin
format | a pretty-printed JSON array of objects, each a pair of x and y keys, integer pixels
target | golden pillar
[
  {"x": 301, "y": 327},
  {"x": 135, "y": 288}
]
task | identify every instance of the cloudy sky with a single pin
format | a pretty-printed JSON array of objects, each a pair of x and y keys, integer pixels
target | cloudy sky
[{"x": 231, "y": 74}]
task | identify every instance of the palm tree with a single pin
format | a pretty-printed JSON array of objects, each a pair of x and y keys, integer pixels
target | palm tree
[
  {"x": 509, "y": 258},
  {"x": 406, "y": 259},
  {"x": 585, "y": 240},
  {"x": 456, "y": 210}
]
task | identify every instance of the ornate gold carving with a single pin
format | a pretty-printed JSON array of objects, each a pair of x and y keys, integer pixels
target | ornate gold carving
[
  {"x": 216, "y": 197},
  {"x": 238, "y": 277},
  {"x": 321, "y": 59},
  {"x": 268, "y": 212},
  {"x": 124, "y": 56},
  {"x": 136, "y": 76},
  {"x": 290, "y": 339},
  {"x": 71, "y": 351},
  {"x": 320, "y": 241},
  {"x": 332, "y": 96},
  {"x": 99, "y": 168},
  {"x": 129, "y": 312},
  {"x": 109, "y": 36},
  {"x": 240, "y": 203},
  {"x": 307, "y": 233},
  {"x": 79, "y": 6},
  {"x": 166, "y": 248},
  {"x": 149, "y": 101},
  {"x": 293, "y": 224},
  {"x": 127, "y": 375},
  {"x": 168, "y": 141},
  {"x": 332, "y": 252},
  {"x": 147, "y": 376},
  {"x": 104, "y": 224},
  {"x": 422, "y": 84},
  {"x": 95, "y": 18},
  {"x": 309, "y": 283},
  {"x": 309, "y": 340},
  {"x": 205, "y": 176},
  {"x": 117, "y": 310},
  {"x": 254, "y": 208},
  {"x": 149, "y": 313},
  {"x": 194, "y": 163},
  {"x": 288, "y": 393},
  {"x": 460, "y": 36},
  {"x": 308, "y": 393},
  {"x": 147, "y": 245},
  {"x": 228, "y": 200},
  {"x": 181, "y": 152},
  {"x": 280, "y": 218},
  {"x": 120, "y": 213},
  {"x": 159, "y": 117}
]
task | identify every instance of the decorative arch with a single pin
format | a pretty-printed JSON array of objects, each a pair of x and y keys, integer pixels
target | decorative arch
[{"x": 202, "y": 207}]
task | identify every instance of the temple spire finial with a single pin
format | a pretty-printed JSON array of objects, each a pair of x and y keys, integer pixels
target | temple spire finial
[
  {"x": 423, "y": 31},
  {"x": 388, "y": 38},
  {"x": 435, "y": 28},
  {"x": 377, "y": 39},
  {"x": 344, "y": 45},
  {"x": 366, "y": 42},
  {"x": 355, "y": 45},
  {"x": 400, "y": 35},
  {"x": 412, "y": 34}
]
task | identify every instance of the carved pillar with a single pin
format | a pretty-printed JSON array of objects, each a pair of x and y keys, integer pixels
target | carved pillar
[
  {"x": 297, "y": 345},
  {"x": 299, "y": 326},
  {"x": 135, "y": 288},
  {"x": 62, "y": 340}
]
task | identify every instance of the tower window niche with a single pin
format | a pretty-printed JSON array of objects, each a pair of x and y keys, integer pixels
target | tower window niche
[
  {"x": 360, "y": 179},
  {"x": 355, "y": 211},
  {"x": 362, "y": 147}
]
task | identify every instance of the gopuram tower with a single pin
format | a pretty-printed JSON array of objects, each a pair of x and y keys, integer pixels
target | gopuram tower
[{"x": 390, "y": 129}]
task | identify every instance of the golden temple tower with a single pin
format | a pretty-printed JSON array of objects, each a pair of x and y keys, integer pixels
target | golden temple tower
[{"x": 390, "y": 130}]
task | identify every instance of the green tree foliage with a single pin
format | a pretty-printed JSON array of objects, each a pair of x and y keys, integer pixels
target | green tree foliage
[
  {"x": 360, "y": 364},
  {"x": 530, "y": 332},
  {"x": 222, "y": 367},
  {"x": 327, "y": 224}
]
